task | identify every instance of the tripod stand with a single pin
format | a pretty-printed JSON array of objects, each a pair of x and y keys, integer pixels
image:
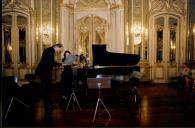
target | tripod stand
[
  {"x": 73, "y": 97},
  {"x": 98, "y": 102},
  {"x": 13, "y": 91},
  {"x": 11, "y": 102}
]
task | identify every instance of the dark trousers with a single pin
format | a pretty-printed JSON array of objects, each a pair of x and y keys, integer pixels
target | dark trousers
[
  {"x": 66, "y": 81},
  {"x": 46, "y": 83}
]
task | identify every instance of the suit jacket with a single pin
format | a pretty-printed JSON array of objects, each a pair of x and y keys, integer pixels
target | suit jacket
[{"x": 46, "y": 64}]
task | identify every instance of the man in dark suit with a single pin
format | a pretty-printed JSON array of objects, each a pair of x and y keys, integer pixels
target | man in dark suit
[{"x": 44, "y": 70}]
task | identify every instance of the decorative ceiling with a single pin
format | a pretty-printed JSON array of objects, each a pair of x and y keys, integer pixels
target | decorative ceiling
[{"x": 83, "y": 4}]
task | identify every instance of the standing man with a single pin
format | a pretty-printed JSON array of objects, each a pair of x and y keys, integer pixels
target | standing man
[{"x": 44, "y": 70}]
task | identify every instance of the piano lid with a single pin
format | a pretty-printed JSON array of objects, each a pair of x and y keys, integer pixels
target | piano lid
[{"x": 103, "y": 58}]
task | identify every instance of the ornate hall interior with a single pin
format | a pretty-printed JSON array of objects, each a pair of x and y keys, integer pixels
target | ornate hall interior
[{"x": 160, "y": 32}]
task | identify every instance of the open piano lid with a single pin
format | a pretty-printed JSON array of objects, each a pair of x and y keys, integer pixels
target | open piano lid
[{"x": 103, "y": 58}]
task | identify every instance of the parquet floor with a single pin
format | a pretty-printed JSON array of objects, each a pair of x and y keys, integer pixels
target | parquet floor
[{"x": 159, "y": 105}]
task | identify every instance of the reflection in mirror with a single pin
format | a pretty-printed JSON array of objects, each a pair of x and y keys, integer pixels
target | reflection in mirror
[
  {"x": 146, "y": 53},
  {"x": 22, "y": 45},
  {"x": 7, "y": 44},
  {"x": 137, "y": 49},
  {"x": 137, "y": 39},
  {"x": 159, "y": 33},
  {"x": 22, "y": 21},
  {"x": 83, "y": 42},
  {"x": 100, "y": 35},
  {"x": 172, "y": 40}
]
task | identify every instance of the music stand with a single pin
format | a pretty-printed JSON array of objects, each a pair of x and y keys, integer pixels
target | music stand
[
  {"x": 73, "y": 97},
  {"x": 99, "y": 82}
]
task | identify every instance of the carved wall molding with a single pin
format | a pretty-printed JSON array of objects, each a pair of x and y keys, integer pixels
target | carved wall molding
[
  {"x": 176, "y": 6},
  {"x": 15, "y": 5},
  {"x": 87, "y": 4}
]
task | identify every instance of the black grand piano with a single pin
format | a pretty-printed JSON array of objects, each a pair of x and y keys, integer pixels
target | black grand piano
[
  {"x": 104, "y": 63},
  {"x": 108, "y": 63}
]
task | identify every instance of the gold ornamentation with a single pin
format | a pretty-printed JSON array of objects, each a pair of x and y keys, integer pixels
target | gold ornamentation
[{"x": 167, "y": 5}]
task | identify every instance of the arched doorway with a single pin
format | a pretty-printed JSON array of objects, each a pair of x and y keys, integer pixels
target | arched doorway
[
  {"x": 86, "y": 22},
  {"x": 90, "y": 30}
]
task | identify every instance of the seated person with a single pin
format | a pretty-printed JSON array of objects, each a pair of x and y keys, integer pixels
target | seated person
[
  {"x": 66, "y": 53},
  {"x": 184, "y": 76},
  {"x": 70, "y": 63}
]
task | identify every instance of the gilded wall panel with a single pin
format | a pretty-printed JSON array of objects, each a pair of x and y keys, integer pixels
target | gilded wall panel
[
  {"x": 84, "y": 4},
  {"x": 46, "y": 10},
  {"x": 26, "y": 2}
]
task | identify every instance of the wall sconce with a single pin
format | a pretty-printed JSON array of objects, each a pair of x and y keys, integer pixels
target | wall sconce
[
  {"x": 127, "y": 34},
  {"x": 137, "y": 30},
  {"x": 173, "y": 47},
  {"x": 193, "y": 30},
  {"x": 46, "y": 31},
  {"x": 9, "y": 47}
]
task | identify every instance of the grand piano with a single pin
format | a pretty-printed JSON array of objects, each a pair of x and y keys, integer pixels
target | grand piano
[{"x": 108, "y": 63}]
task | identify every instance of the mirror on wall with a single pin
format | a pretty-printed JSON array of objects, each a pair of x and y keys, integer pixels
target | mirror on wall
[
  {"x": 90, "y": 29},
  {"x": 159, "y": 38},
  {"x": 22, "y": 45},
  {"x": 137, "y": 38},
  {"x": 7, "y": 42},
  {"x": 83, "y": 41},
  {"x": 22, "y": 21},
  {"x": 172, "y": 40},
  {"x": 7, "y": 45}
]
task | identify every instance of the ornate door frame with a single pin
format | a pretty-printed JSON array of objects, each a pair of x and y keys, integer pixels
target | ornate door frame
[
  {"x": 165, "y": 68},
  {"x": 111, "y": 11},
  {"x": 16, "y": 9},
  {"x": 162, "y": 71}
]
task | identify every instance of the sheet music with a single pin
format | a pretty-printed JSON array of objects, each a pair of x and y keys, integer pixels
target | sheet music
[{"x": 70, "y": 59}]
